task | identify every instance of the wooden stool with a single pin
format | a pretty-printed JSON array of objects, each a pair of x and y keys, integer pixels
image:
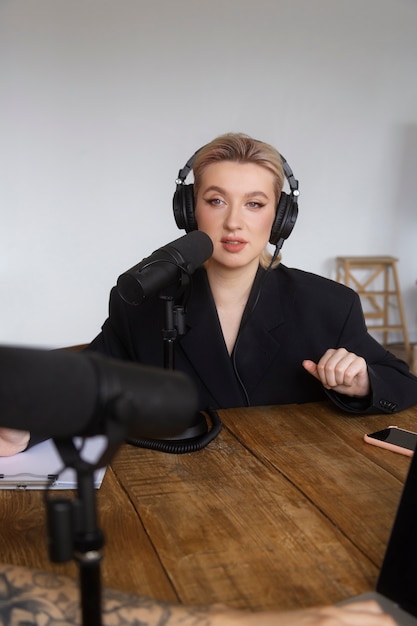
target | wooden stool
[
  {"x": 361, "y": 273},
  {"x": 413, "y": 365}
]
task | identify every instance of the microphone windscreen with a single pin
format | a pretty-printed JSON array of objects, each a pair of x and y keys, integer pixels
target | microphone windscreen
[
  {"x": 50, "y": 393},
  {"x": 164, "y": 267},
  {"x": 194, "y": 249},
  {"x": 61, "y": 394}
]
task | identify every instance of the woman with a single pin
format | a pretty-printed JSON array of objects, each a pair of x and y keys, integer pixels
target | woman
[{"x": 258, "y": 333}]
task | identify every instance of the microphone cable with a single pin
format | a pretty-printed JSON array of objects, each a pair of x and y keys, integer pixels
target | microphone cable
[{"x": 182, "y": 446}]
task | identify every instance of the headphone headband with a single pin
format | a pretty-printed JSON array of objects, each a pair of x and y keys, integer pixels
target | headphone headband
[{"x": 182, "y": 174}]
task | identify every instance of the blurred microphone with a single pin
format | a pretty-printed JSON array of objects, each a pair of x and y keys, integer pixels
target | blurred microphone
[
  {"x": 60, "y": 394},
  {"x": 165, "y": 267}
]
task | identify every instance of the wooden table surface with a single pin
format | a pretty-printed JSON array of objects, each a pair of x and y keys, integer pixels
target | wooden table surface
[{"x": 287, "y": 507}]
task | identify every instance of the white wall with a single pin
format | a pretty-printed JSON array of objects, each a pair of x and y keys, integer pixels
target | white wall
[{"x": 102, "y": 102}]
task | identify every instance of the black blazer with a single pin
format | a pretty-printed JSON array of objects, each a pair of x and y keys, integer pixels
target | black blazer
[{"x": 291, "y": 315}]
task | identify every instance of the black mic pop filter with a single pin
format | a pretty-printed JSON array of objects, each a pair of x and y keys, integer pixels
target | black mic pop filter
[
  {"x": 165, "y": 267},
  {"x": 58, "y": 394}
]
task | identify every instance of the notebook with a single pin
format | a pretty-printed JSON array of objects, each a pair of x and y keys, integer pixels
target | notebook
[
  {"x": 396, "y": 588},
  {"x": 42, "y": 466}
]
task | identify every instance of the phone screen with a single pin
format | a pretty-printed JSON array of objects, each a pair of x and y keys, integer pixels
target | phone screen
[{"x": 397, "y": 437}]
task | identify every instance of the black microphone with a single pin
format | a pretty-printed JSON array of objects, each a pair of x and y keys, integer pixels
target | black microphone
[
  {"x": 59, "y": 394},
  {"x": 165, "y": 267}
]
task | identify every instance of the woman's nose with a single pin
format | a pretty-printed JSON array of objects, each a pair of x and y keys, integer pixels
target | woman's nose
[{"x": 233, "y": 218}]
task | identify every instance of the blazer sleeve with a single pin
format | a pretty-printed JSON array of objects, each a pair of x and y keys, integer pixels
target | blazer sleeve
[
  {"x": 393, "y": 386},
  {"x": 116, "y": 337}
]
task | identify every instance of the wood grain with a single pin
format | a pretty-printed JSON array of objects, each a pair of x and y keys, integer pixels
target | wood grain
[
  {"x": 130, "y": 562},
  {"x": 287, "y": 507},
  {"x": 228, "y": 529},
  {"x": 322, "y": 452}
]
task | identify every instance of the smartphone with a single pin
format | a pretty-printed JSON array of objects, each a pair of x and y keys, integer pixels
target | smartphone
[{"x": 395, "y": 439}]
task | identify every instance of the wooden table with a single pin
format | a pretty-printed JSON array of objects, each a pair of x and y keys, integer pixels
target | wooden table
[{"x": 287, "y": 507}]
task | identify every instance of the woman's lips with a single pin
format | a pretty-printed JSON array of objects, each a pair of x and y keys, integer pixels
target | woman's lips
[{"x": 233, "y": 245}]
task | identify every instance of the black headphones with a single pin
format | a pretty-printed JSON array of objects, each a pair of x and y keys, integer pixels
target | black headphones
[{"x": 285, "y": 216}]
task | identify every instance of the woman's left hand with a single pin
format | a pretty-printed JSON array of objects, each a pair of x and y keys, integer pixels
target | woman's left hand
[{"x": 341, "y": 371}]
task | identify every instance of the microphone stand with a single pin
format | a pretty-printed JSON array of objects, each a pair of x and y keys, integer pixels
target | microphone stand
[
  {"x": 72, "y": 524},
  {"x": 197, "y": 435},
  {"x": 174, "y": 326},
  {"x": 88, "y": 542}
]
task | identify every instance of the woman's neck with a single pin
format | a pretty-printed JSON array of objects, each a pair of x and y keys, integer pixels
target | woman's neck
[{"x": 230, "y": 289}]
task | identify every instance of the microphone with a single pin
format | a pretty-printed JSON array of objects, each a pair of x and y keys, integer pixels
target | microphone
[
  {"x": 59, "y": 394},
  {"x": 165, "y": 267}
]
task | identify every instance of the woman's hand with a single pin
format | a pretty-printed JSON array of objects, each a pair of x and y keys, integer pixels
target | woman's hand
[
  {"x": 13, "y": 441},
  {"x": 341, "y": 371}
]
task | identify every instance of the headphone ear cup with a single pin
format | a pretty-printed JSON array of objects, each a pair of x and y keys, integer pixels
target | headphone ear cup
[
  {"x": 183, "y": 206},
  {"x": 285, "y": 218}
]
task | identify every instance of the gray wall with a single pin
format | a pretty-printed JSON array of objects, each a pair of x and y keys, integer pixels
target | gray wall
[{"x": 104, "y": 100}]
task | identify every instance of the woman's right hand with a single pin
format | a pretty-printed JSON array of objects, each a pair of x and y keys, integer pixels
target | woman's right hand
[{"x": 13, "y": 441}]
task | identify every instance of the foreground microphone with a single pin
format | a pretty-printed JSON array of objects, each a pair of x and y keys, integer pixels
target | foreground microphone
[
  {"x": 60, "y": 394},
  {"x": 165, "y": 267}
]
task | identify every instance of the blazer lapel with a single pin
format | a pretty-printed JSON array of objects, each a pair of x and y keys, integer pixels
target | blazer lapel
[
  {"x": 262, "y": 328},
  {"x": 258, "y": 343},
  {"x": 204, "y": 346}
]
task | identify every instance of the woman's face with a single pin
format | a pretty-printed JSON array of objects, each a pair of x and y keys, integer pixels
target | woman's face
[{"x": 235, "y": 206}]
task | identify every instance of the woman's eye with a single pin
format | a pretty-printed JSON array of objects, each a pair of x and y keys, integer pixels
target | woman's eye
[
  {"x": 215, "y": 201},
  {"x": 255, "y": 205}
]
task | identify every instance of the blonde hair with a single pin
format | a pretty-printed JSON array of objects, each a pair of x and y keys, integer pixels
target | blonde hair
[{"x": 241, "y": 148}]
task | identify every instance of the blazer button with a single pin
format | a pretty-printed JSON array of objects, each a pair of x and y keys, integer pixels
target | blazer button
[{"x": 388, "y": 405}]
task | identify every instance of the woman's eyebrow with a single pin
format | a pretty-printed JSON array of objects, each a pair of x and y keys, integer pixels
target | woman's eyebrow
[
  {"x": 214, "y": 188},
  {"x": 249, "y": 194}
]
